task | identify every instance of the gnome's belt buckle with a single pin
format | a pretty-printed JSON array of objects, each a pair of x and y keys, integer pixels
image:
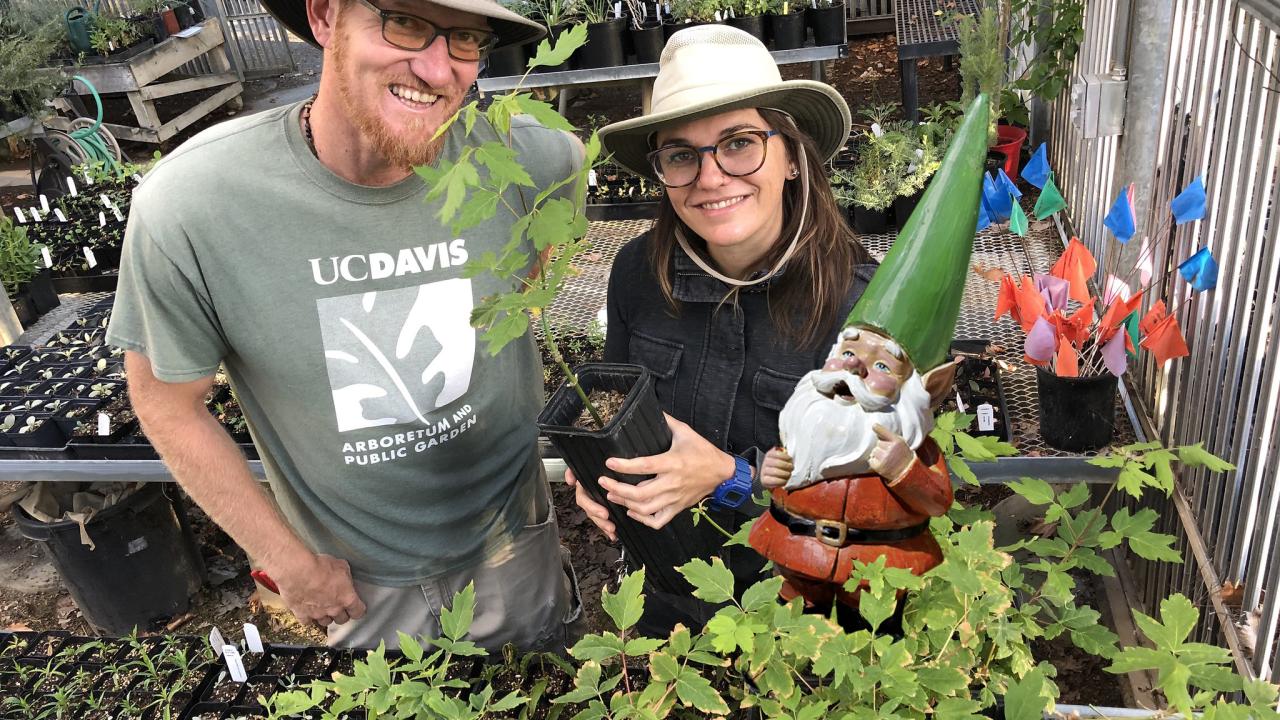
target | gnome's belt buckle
[{"x": 831, "y": 532}]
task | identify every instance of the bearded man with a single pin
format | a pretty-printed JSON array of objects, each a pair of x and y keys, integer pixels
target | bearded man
[
  {"x": 857, "y": 477},
  {"x": 293, "y": 247}
]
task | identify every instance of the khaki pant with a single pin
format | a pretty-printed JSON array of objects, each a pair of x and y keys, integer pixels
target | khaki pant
[{"x": 528, "y": 597}]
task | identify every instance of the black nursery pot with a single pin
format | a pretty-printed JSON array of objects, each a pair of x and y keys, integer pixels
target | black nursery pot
[
  {"x": 753, "y": 25},
  {"x": 506, "y": 61},
  {"x": 869, "y": 222},
  {"x": 673, "y": 27},
  {"x": 903, "y": 206},
  {"x": 638, "y": 430},
  {"x": 828, "y": 23},
  {"x": 648, "y": 40},
  {"x": 1076, "y": 413},
  {"x": 604, "y": 44},
  {"x": 788, "y": 30},
  {"x": 43, "y": 296}
]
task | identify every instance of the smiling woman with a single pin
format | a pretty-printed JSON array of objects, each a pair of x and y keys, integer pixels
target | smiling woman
[{"x": 734, "y": 294}]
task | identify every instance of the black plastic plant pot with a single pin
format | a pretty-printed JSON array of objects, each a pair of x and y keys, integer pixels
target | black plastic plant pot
[
  {"x": 675, "y": 26},
  {"x": 47, "y": 434},
  {"x": 868, "y": 221},
  {"x": 507, "y": 61},
  {"x": 753, "y": 25},
  {"x": 828, "y": 23},
  {"x": 43, "y": 296},
  {"x": 24, "y": 309},
  {"x": 142, "y": 566},
  {"x": 648, "y": 41},
  {"x": 1077, "y": 414},
  {"x": 604, "y": 44},
  {"x": 637, "y": 430},
  {"x": 903, "y": 206},
  {"x": 788, "y": 31}
]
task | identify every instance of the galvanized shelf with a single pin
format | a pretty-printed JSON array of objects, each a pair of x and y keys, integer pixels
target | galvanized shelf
[{"x": 925, "y": 29}]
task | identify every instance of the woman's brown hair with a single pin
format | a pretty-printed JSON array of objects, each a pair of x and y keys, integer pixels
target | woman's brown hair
[{"x": 807, "y": 297}]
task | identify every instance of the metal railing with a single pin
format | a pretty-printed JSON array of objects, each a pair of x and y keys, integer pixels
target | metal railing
[{"x": 1219, "y": 118}]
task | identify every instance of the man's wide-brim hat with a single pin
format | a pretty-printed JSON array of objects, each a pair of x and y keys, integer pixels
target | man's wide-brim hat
[
  {"x": 512, "y": 29},
  {"x": 710, "y": 69},
  {"x": 915, "y": 294}
]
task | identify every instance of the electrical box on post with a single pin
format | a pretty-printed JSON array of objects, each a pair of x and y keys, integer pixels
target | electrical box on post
[{"x": 1097, "y": 104}]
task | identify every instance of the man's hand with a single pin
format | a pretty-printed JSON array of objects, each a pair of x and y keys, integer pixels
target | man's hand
[
  {"x": 683, "y": 475},
  {"x": 598, "y": 513},
  {"x": 318, "y": 590},
  {"x": 777, "y": 468},
  {"x": 892, "y": 457}
]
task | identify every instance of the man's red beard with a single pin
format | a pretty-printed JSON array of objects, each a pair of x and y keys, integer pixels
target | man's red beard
[{"x": 406, "y": 149}]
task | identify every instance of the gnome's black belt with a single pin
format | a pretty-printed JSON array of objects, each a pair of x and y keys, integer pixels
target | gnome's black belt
[{"x": 839, "y": 534}]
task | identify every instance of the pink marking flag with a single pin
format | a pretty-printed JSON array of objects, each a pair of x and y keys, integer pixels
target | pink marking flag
[
  {"x": 1146, "y": 263},
  {"x": 1041, "y": 342},
  {"x": 1113, "y": 354},
  {"x": 1055, "y": 290}
]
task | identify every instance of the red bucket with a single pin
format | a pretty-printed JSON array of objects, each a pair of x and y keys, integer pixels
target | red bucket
[{"x": 1009, "y": 141}]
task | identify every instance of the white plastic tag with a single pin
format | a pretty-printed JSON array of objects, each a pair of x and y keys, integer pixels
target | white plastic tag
[
  {"x": 90, "y": 258},
  {"x": 22, "y": 219},
  {"x": 102, "y": 219},
  {"x": 813, "y": 4},
  {"x": 617, "y": 9},
  {"x": 44, "y": 204},
  {"x": 732, "y": 14},
  {"x": 88, "y": 179},
  {"x": 71, "y": 186},
  {"x": 138, "y": 178},
  {"x": 592, "y": 179},
  {"x": 959, "y": 403},
  {"x": 57, "y": 212},
  {"x": 252, "y": 639},
  {"x": 216, "y": 641},
  {"x": 35, "y": 215},
  {"x": 106, "y": 201},
  {"x": 718, "y": 17},
  {"x": 48, "y": 259},
  {"x": 116, "y": 211},
  {"x": 104, "y": 428},
  {"x": 234, "y": 664},
  {"x": 986, "y": 417}
]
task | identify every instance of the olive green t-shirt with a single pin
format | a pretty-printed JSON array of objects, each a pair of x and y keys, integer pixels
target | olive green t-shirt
[{"x": 391, "y": 438}]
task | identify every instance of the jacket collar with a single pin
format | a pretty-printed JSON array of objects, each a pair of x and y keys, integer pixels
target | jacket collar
[{"x": 692, "y": 284}]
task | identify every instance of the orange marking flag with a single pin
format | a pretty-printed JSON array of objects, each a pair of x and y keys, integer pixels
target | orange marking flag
[
  {"x": 1068, "y": 360},
  {"x": 1165, "y": 340},
  {"x": 1076, "y": 266}
]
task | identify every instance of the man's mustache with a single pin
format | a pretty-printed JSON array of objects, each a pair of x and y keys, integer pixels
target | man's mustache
[{"x": 844, "y": 386}]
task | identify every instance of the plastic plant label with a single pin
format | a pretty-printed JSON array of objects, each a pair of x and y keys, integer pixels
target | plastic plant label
[
  {"x": 116, "y": 211},
  {"x": 44, "y": 204},
  {"x": 592, "y": 179},
  {"x": 986, "y": 417},
  {"x": 104, "y": 428},
  {"x": 71, "y": 186},
  {"x": 718, "y": 17},
  {"x": 138, "y": 178},
  {"x": 960, "y": 406},
  {"x": 57, "y": 212},
  {"x": 234, "y": 664},
  {"x": 216, "y": 641},
  {"x": 22, "y": 219},
  {"x": 90, "y": 258},
  {"x": 35, "y": 215},
  {"x": 617, "y": 10},
  {"x": 48, "y": 259},
  {"x": 252, "y": 639},
  {"x": 136, "y": 545},
  {"x": 102, "y": 219},
  {"x": 88, "y": 179}
]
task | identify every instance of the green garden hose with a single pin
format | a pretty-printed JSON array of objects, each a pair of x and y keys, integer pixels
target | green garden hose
[{"x": 90, "y": 141}]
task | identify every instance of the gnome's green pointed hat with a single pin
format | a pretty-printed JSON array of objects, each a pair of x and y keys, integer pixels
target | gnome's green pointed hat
[{"x": 915, "y": 294}]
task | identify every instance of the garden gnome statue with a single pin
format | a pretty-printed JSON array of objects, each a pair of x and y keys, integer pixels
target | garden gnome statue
[{"x": 858, "y": 476}]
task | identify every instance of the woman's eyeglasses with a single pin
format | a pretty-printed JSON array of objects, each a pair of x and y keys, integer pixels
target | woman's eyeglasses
[{"x": 736, "y": 155}]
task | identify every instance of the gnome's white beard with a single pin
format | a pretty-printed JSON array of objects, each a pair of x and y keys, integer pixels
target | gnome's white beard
[{"x": 833, "y": 437}]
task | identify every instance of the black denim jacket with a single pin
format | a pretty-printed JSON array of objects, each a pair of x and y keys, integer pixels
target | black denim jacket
[{"x": 722, "y": 368}]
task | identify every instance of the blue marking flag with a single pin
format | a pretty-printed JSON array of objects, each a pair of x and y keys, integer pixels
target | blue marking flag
[
  {"x": 999, "y": 203},
  {"x": 1036, "y": 171},
  {"x": 1006, "y": 185},
  {"x": 1189, "y": 205},
  {"x": 1120, "y": 220},
  {"x": 1201, "y": 270},
  {"x": 984, "y": 217}
]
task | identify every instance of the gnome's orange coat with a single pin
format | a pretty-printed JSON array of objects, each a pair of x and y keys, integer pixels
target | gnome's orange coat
[{"x": 866, "y": 502}]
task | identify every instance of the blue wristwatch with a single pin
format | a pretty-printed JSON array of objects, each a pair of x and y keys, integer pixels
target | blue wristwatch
[{"x": 733, "y": 492}]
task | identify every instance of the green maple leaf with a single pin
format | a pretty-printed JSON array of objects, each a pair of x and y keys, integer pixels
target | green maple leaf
[
  {"x": 711, "y": 582},
  {"x": 1035, "y": 490},
  {"x": 627, "y": 605},
  {"x": 1197, "y": 456},
  {"x": 503, "y": 165}
]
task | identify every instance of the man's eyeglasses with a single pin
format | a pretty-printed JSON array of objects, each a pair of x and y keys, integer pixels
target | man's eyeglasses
[
  {"x": 739, "y": 154},
  {"x": 410, "y": 32}
]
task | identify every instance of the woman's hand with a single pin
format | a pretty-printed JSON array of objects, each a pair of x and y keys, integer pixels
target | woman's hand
[
  {"x": 777, "y": 468},
  {"x": 683, "y": 475},
  {"x": 594, "y": 510}
]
